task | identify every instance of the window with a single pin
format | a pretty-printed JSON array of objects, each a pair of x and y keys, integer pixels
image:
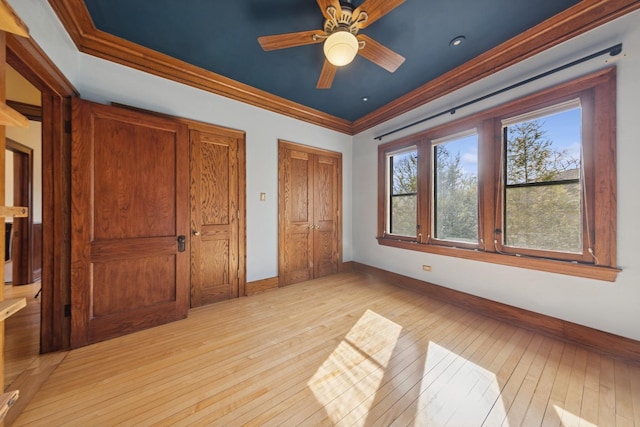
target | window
[
  {"x": 455, "y": 188},
  {"x": 528, "y": 183},
  {"x": 403, "y": 192},
  {"x": 542, "y": 197}
]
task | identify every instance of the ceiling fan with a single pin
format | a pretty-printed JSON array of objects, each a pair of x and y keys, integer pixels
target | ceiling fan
[{"x": 340, "y": 36}]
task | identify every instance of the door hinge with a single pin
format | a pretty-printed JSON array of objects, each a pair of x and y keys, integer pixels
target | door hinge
[
  {"x": 67, "y": 310},
  {"x": 238, "y": 214},
  {"x": 67, "y": 126}
]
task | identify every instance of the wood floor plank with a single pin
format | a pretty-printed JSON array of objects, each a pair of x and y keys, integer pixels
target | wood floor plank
[
  {"x": 573, "y": 399},
  {"x": 499, "y": 411},
  {"x": 347, "y": 350},
  {"x": 524, "y": 395},
  {"x": 536, "y": 409},
  {"x": 607, "y": 393},
  {"x": 624, "y": 403},
  {"x": 590, "y": 396},
  {"x": 554, "y": 410},
  {"x": 496, "y": 365},
  {"x": 429, "y": 391},
  {"x": 634, "y": 376}
]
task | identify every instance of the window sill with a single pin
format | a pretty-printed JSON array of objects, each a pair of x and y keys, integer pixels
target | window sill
[{"x": 608, "y": 274}]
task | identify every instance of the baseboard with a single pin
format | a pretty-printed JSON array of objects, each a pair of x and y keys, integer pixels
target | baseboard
[
  {"x": 593, "y": 339},
  {"x": 252, "y": 288}
]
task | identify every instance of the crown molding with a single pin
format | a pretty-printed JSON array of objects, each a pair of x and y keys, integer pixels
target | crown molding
[{"x": 582, "y": 17}]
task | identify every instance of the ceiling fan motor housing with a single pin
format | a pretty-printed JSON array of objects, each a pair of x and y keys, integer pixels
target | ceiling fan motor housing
[{"x": 342, "y": 21}]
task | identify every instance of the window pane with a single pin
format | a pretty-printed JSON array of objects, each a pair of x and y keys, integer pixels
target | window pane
[
  {"x": 544, "y": 149},
  {"x": 403, "y": 169},
  {"x": 542, "y": 196},
  {"x": 544, "y": 217},
  {"x": 403, "y": 215},
  {"x": 456, "y": 189}
]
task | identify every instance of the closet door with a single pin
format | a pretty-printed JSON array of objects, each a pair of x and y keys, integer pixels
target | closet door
[
  {"x": 326, "y": 212},
  {"x": 309, "y": 213}
]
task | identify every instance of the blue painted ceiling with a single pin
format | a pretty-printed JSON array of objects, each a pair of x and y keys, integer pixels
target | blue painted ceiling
[{"x": 221, "y": 36}]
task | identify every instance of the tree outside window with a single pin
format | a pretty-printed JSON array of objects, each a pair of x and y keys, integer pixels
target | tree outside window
[
  {"x": 543, "y": 207},
  {"x": 404, "y": 193}
]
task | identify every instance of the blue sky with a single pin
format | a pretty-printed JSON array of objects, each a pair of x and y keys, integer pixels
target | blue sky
[{"x": 562, "y": 128}]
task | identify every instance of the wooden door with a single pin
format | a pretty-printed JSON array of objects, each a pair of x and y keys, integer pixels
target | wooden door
[
  {"x": 215, "y": 213},
  {"x": 130, "y": 222},
  {"x": 296, "y": 216},
  {"x": 309, "y": 213},
  {"x": 326, "y": 212}
]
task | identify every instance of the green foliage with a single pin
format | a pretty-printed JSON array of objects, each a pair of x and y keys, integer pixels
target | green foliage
[
  {"x": 531, "y": 156},
  {"x": 546, "y": 217},
  {"x": 456, "y": 199},
  {"x": 404, "y": 175}
]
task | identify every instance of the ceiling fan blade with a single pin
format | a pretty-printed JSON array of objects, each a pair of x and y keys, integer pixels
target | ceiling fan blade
[
  {"x": 324, "y": 4},
  {"x": 379, "y": 54},
  {"x": 375, "y": 9},
  {"x": 326, "y": 75},
  {"x": 282, "y": 41}
]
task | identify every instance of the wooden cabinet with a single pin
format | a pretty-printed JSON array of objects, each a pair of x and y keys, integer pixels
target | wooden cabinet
[{"x": 310, "y": 226}]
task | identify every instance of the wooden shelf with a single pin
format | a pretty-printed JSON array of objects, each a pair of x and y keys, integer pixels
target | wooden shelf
[
  {"x": 10, "y": 117},
  {"x": 14, "y": 211},
  {"x": 11, "y": 306},
  {"x": 10, "y": 22}
]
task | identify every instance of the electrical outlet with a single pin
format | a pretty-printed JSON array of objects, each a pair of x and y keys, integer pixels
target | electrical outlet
[{"x": 426, "y": 267}]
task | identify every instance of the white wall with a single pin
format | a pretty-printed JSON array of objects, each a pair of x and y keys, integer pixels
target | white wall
[
  {"x": 101, "y": 81},
  {"x": 612, "y": 307}
]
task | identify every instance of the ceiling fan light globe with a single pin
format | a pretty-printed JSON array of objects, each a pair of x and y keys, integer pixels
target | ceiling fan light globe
[{"x": 340, "y": 48}]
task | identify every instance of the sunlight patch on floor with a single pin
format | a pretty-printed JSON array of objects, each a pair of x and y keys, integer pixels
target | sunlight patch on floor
[
  {"x": 356, "y": 367},
  {"x": 457, "y": 391},
  {"x": 568, "y": 419}
]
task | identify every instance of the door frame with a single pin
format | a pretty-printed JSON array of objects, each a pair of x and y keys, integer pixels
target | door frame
[
  {"x": 30, "y": 61},
  {"x": 282, "y": 145}
]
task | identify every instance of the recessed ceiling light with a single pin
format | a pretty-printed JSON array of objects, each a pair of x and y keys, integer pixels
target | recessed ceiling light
[
  {"x": 365, "y": 98},
  {"x": 457, "y": 41}
]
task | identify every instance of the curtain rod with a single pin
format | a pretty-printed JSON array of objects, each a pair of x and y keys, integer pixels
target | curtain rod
[{"x": 612, "y": 51}]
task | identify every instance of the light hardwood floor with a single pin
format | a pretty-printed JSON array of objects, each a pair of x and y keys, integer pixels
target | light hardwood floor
[
  {"x": 22, "y": 332},
  {"x": 341, "y": 350}
]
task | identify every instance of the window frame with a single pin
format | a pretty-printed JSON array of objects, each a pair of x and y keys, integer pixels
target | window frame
[
  {"x": 597, "y": 93},
  {"x": 586, "y": 104},
  {"x": 434, "y": 139},
  {"x": 389, "y": 192}
]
